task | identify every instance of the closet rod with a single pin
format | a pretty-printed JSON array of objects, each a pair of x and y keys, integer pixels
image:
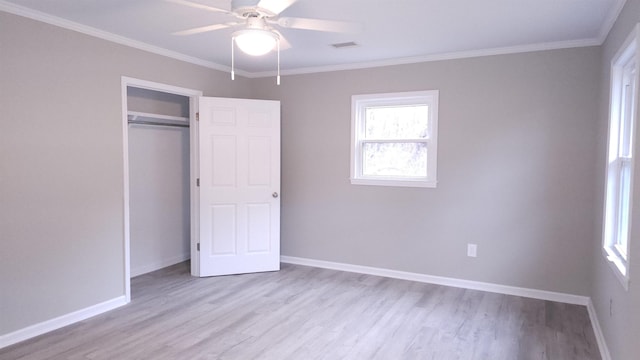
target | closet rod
[{"x": 145, "y": 122}]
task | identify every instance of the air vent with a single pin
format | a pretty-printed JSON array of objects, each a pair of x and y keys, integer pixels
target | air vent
[{"x": 344, "y": 45}]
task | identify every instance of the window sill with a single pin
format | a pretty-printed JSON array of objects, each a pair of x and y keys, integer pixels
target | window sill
[
  {"x": 397, "y": 183},
  {"x": 618, "y": 266}
]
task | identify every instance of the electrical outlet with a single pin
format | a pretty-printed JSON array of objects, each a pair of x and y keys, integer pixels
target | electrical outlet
[
  {"x": 610, "y": 307},
  {"x": 472, "y": 250}
]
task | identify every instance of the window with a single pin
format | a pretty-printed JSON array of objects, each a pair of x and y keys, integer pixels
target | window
[
  {"x": 620, "y": 156},
  {"x": 394, "y": 139}
]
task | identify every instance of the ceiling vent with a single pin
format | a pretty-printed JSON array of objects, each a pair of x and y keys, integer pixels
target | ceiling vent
[{"x": 344, "y": 45}]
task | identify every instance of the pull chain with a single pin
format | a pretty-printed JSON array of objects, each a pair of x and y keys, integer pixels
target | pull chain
[
  {"x": 233, "y": 73},
  {"x": 278, "y": 78}
]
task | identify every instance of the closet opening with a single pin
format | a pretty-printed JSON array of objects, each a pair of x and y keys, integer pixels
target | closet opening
[{"x": 159, "y": 132}]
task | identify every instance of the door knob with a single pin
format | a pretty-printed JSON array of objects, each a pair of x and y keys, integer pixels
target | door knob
[{"x": 275, "y": 194}]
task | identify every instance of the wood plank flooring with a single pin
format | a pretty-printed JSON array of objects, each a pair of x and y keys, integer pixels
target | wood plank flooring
[{"x": 308, "y": 313}]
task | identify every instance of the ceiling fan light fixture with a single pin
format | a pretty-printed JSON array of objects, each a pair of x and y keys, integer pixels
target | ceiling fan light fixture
[{"x": 255, "y": 42}]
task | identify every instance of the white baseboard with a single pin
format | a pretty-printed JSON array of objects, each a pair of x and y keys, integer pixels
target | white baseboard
[
  {"x": 76, "y": 316},
  {"x": 61, "y": 321},
  {"x": 602, "y": 345},
  {"x": 466, "y": 284},
  {"x": 157, "y": 265},
  {"x": 439, "y": 280}
]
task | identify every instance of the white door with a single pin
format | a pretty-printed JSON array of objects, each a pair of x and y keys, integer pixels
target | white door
[{"x": 239, "y": 150}]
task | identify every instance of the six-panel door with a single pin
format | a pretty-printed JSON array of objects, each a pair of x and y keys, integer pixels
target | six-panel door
[{"x": 239, "y": 157}]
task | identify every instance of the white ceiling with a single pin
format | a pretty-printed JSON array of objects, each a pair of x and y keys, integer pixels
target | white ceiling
[{"x": 393, "y": 31}]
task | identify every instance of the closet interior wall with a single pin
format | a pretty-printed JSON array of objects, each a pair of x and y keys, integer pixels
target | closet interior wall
[{"x": 158, "y": 180}]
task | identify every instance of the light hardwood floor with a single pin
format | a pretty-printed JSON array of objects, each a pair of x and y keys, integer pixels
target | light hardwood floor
[{"x": 308, "y": 313}]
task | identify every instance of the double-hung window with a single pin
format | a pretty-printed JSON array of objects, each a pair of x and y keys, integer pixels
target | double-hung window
[
  {"x": 623, "y": 113},
  {"x": 394, "y": 139}
]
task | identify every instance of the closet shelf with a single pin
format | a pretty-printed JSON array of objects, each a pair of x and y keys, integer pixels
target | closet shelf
[{"x": 137, "y": 115}]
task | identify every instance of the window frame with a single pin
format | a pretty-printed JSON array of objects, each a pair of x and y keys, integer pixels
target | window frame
[
  {"x": 359, "y": 103},
  {"x": 623, "y": 114}
]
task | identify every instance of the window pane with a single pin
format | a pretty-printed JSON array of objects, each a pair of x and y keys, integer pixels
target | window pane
[
  {"x": 397, "y": 122},
  {"x": 626, "y": 131},
  {"x": 394, "y": 159},
  {"x": 624, "y": 208}
]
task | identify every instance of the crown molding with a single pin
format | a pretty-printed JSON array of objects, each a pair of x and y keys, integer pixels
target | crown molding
[
  {"x": 436, "y": 57},
  {"x": 105, "y": 35},
  {"x": 57, "y": 21}
]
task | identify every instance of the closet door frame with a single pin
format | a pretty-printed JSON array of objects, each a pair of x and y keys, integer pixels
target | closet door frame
[{"x": 193, "y": 96}]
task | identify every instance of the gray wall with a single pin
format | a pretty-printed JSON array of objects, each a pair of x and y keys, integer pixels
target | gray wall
[
  {"x": 155, "y": 102},
  {"x": 61, "y": 167},
  {"x": 621, "y": 325},
  {"x": 518, "y": 138},
  {"x": 158, "y": 197},
  {"x": 159, "y": 178},
  {"x": 515, "y": 165}
]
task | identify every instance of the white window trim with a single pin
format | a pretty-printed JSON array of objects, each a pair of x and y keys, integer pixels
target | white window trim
[
  {"x": 358, "y": 103},
  {"x": 619, "y": 263}
]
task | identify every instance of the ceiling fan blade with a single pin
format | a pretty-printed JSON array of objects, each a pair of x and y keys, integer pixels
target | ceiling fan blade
[
  {"x": 318, "y": 25},
  {"x": 275, "y": 6},
  {"x": 284, "y": 44},
  {"x": 222, "y": 8},
  {"x": 202, "y": 29}
]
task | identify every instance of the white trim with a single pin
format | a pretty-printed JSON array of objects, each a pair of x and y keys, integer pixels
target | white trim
[
  {"x": 157, "y": 265},
  {"x": 602, "y": 345},
  {"x": 83, "y": 314},
  {"x": 359, "y": 103},
  {"x": 126, "y": 228},
  {"x": 194, "y": 168},
  {"x": 194, "y": 96},
  {"x": 395, "y": 183},
  {"x": 440, "y": 280},
  {"x": 151, "y": 85},
  {"x": 435, "y": 57},
  {"x": 53, "y": 20},
  {"x": 620, "y": 270},
  {"x": 466, "y": 284},
  {"x": 105, "y": 35},
  {"x": 60, "y": 321},
  {"x": 628, "y": 53}
]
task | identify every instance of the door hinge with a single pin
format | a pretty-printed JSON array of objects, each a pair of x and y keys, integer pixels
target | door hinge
[
  {"x": 198, "y": 246},
  {"x": 198, "y": 182},
  {"x": 197, "y": 116}
]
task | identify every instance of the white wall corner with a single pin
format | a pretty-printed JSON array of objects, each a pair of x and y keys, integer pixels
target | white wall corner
[{"x": 61, "y": 321}]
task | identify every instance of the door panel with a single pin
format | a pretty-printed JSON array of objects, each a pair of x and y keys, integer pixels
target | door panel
[
  {"x": 259, "y": 164},
  {"x": 239, "y": 142},
  {"x": 223, "y": 161},
  {"x": 258, "y": 227},
  {"x": 223, "y": 229}
]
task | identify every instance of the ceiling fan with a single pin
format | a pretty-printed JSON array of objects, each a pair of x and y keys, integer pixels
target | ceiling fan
[{"x": 257, "y": 20}]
